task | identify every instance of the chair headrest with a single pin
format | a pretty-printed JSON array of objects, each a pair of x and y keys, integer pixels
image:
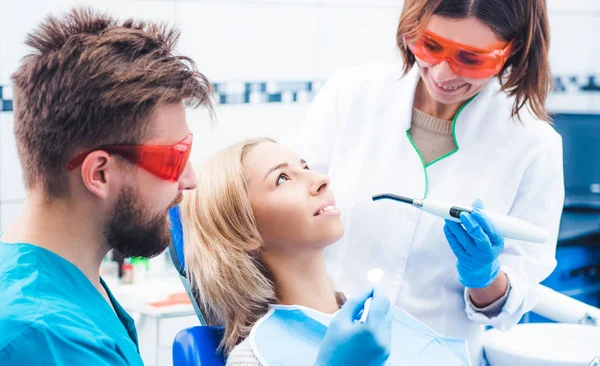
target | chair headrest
[
  {"x": 177, "y": 240},
  {"x": 198, "y": 346},
  {"x": 176, "y": 251}
]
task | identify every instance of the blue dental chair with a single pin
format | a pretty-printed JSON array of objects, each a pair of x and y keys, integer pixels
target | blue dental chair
[{"x": 196, "y": 346}]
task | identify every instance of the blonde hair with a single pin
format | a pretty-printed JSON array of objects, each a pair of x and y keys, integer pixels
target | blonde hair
[{"x": 218, "y": 228}]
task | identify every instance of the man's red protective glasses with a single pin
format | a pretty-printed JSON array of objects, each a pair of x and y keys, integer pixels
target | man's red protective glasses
[
  {"x": 164, "y": 161},
  {"x": 464, "y": 60}
]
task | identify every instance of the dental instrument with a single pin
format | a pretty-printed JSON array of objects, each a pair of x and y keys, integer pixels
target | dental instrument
[
  {"x": 374, "y": 276},
  {"x": 511, "y": 227}
]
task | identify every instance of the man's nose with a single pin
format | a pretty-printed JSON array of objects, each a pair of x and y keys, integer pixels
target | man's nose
[{"x": 188, "y": 180}]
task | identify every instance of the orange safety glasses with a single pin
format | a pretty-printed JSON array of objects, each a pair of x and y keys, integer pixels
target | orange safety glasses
[
  {"x": 467, "y": 61},
  {"x": 166, "y": 162}
]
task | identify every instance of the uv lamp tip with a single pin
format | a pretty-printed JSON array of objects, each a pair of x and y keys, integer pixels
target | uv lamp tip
[{"x": 394, "y": 197}]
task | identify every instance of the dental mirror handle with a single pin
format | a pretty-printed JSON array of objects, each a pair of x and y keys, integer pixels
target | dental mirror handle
[
  {"x": 366, "y": 309},
  {"x": 374, "y": 276}
]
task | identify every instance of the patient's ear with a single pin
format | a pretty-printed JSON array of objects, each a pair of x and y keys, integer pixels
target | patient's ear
[{"x": 254, "y": 243}]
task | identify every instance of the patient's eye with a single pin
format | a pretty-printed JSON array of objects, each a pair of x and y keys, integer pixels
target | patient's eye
[
  {"x": 282, "y": 178},
  {"x": 306, "y": 167}
]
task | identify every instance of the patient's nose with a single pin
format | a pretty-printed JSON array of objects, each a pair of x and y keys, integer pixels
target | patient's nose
[{"x": 319, "y": 184}]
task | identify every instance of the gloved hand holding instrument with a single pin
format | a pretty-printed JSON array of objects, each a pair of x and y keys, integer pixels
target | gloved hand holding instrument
[
  {"x": 349, "y": 341},
  {"x": 476, "y": 246}
]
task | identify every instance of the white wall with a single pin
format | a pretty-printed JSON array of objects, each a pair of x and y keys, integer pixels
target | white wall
[{"x": 275, "y": 41}]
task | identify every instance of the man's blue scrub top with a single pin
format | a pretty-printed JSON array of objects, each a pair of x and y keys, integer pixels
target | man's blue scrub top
[{"x": 51, "y": 314}]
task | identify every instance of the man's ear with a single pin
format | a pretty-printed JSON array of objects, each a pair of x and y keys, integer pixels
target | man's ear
[{"x": 96, "y": 172}]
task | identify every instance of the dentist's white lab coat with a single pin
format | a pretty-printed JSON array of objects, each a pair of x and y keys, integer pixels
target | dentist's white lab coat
[{"x": 356, "y": 131}]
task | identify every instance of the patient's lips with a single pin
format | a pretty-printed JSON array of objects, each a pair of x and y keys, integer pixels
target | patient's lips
[{"x": 328, "y": 208}]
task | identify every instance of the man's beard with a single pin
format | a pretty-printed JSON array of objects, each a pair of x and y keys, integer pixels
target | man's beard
[{"x": 133, "y": 231}]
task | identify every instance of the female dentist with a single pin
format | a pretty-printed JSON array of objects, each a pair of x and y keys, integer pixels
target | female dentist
[{"x": 461, "y": 118}]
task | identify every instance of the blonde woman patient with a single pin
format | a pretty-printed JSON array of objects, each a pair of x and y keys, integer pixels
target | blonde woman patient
[{"x": 255, "y": 231}]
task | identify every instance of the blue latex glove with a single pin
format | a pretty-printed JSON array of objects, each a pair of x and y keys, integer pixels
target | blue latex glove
[
  {"x": 349, "y": 342},
  {"x": 476, "y": 246}
]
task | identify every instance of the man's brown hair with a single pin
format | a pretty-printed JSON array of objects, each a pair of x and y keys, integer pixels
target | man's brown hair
[
  {"x": 526, "y": 75},
  {"x": 93, "y": 81}
]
